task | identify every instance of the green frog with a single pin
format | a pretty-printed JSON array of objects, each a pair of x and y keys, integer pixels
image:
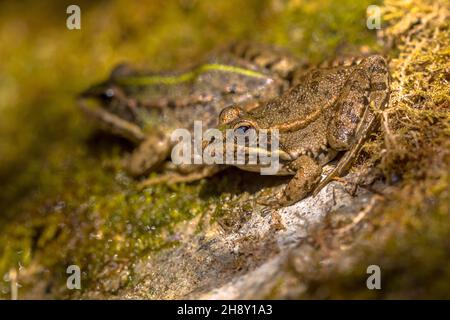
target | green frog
[
  {"x": 328, "y": 111},
  {"x": 145, "y": 107}
]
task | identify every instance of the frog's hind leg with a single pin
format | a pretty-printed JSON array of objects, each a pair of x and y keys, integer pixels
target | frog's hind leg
[
  {"x": 349, "y": 157},
  {"x": 364, "y": 95}
]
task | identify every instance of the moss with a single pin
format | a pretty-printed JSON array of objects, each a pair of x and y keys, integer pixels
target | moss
[{"x": 321, "y": 30}]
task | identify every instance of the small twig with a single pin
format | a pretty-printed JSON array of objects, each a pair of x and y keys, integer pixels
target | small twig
[
  {"x": 14, "y": 285},
  {"x": 389, "y": 136}
]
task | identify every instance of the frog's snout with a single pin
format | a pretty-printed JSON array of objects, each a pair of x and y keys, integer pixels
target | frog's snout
[{"x": 91, "y": 92}]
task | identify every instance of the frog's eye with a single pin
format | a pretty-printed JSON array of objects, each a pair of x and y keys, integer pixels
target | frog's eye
[
  {"x": 107, "y": 95},
  {"x": 242, "y": 129}
]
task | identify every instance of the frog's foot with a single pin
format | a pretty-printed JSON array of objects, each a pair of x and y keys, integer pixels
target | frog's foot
[
  {"x": 271, "y": 202},
  {"x": 149, "y": 154},
  {"x": 176, "y": 177},
  {"x": 306, "y": 178}
]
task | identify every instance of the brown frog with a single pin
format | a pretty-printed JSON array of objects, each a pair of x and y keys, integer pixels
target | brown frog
[
  {"x": 318, "y": 112},
  {"x": 146, "y": 107},
  {"x": 328, "y": 111}
]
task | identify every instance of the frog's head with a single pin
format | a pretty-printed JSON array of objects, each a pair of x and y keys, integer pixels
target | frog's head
[
  {"x": 106, "y": 97},
  {"x": 237, "y": 119},
  {"x": 244, "y": 127},
  {"x": 109, "y": 95},
  {"x": 104, "y": 94}
]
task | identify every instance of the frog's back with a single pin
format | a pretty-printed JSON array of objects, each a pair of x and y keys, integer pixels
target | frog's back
[
  {"x": 307, "y": 100},
  {"x": 200, "y": 93}
]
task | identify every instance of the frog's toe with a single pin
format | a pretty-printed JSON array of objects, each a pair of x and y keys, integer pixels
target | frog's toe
[{"x": 272, "y": 202}]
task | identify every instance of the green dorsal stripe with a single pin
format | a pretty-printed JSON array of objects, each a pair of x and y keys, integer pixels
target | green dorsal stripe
[{"x": 188, "y": 76}]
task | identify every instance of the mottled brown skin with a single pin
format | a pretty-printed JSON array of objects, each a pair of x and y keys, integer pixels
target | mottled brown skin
[
  {"x": 318, "y": 112},
  {"x": 147, "y": 114},
  {"x": 331, "y": 110}
]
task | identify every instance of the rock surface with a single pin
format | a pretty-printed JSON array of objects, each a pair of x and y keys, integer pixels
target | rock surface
[{"x": 242, "y": 264}]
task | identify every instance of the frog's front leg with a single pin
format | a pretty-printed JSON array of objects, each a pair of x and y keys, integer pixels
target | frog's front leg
[
  {"x": 182, "y": 174},
  {"x": 149, "y": 154},
  {"x": 365, "y": 93},
  {"x": 305, "y": 179}
]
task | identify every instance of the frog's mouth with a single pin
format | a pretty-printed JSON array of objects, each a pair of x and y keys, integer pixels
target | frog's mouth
[
  {"x": 94, "y": 106},
  {"x": 223, "y": 148},
  {"x": 106, "y": 95},
  {"x": 266, "y": 161}
]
